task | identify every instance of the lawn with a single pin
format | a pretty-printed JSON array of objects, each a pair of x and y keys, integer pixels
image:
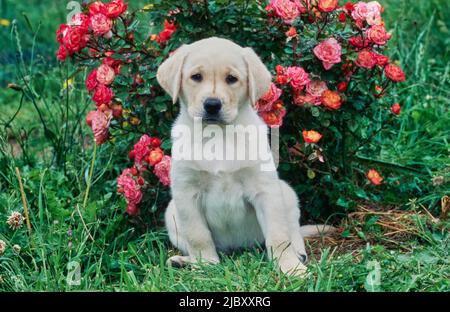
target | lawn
[{"x": 80, "y": 238}]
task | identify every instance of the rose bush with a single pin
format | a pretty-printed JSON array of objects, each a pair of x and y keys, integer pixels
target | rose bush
[{"x": 329, "y": 97}]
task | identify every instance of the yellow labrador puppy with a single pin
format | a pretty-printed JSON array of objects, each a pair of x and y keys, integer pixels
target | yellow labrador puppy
[{"x": 221, "y": 204}]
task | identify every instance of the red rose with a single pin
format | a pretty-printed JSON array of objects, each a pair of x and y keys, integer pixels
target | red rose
[
  {"x": 394, "y": 73},
  {"x": 115, "y": 8},
  {"x": 102, "y": 95},
  {"x": 366, "y": 59},
  {"x": 349, "y": 6},
  {"x": 91, "y": 81},
  {"x": 382, "y": 60},
  {"x": 141, "y": 181},
  {"x": 61, "y": 32},
  {"x": 75, "y": 39},
  {"x": 358, "y": 42},
  {"x": 279, "y": 69},
  {"x": 281, "y": 79},
  {"x": 331, "y": 99},
  {"x": 395, "y": 109},
  {"x": 62, "y": 53},
  {"x": 80, "y": 20},
  {"x": 311, "y": 136},
  {"x": 166, "y": 34},
  {"x": 96, "y": 7},
  {"x": 327, "y": 5},
  {"x": 342, "y": 17},
  {"x": 342, "y": 86}
]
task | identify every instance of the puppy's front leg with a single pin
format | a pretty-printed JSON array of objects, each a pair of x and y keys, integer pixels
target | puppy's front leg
[
  {"x": 192, "y": 229},
  {"x": 272, "y": 216}
]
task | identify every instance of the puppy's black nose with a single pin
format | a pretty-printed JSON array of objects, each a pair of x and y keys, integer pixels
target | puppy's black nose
[{"x": 212, "y": 106}]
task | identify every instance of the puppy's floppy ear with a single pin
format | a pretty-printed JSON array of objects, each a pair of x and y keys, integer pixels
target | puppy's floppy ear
[
  {"x": 259, "y": 77},
  {"x": 169, "y": 73}
]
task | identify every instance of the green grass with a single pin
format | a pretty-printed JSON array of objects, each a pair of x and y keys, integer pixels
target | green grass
[{"x": 127, "y": 256}]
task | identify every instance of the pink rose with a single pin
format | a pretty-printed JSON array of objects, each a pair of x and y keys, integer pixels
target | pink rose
[
  {"x": 297, "y": 76},
  {"x": 374, "y": 13},
  {"x": 266, "y": 102},
  {"x": 105, "y": 74},
  {"x": 316, "y": 88},
  {"x": 99, "y": 123},
  {"x": 329, "y": 52},
  {"x": 130, "y": 190},
  {"x": 366, "y": 59},
  {"x": 377, "y": 34},
  {"x": 285, "y": 9},
  {"x": 369, "y": 12},
  {"x": 162, "y": 170},
  {"x": 100, "y": 24},
  {"x": 91, "y": 81}
]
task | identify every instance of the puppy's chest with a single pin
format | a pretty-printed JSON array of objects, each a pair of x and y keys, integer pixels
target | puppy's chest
[{"x": 223, "y": 201}]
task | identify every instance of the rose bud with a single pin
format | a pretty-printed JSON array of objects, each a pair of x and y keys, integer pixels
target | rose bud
[
  {"x": 135, "y": 121},
  {"x": 140, "y": 181},
  {"x": 14, "y": 87},
  {"x": 155, "y": 142},
  {"x": 342, "y": 17},
  {"x": 131, "y": 154},
  {"x": 342, "y": 86},
  {"x": 134, "y": 171},
  {"x": 395, "y": 109},
  {"x": 117, "y": 110}
]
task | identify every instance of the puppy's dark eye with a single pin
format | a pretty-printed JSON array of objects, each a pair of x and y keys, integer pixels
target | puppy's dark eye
[
  {"x": 197, "y": 77},
  {"x": 230, "y": 79}
]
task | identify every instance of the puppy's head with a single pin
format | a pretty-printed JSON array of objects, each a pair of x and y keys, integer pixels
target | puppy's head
[{"x": 214, "y": 78}]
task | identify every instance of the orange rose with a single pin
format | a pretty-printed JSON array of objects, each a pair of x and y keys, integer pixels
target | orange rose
[
  {"x": 311, "y": 136},
  {"x": 155, "y": 156},
  {"x": 327, "y": 5},
  {"x": 331, "y": 99},
  {"x": 374, "y": 177}
]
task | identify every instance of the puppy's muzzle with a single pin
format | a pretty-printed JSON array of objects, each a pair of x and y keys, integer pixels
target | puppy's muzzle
[{"x": 212, "y": 108}]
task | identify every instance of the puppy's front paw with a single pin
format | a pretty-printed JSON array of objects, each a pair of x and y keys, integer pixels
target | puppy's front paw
[
  {"x": 292, "y": 266},
  {"x": 178, "y": 261}
]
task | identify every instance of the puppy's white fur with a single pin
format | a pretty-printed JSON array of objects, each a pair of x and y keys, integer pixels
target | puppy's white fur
[{"x": 224, "y": 205}]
